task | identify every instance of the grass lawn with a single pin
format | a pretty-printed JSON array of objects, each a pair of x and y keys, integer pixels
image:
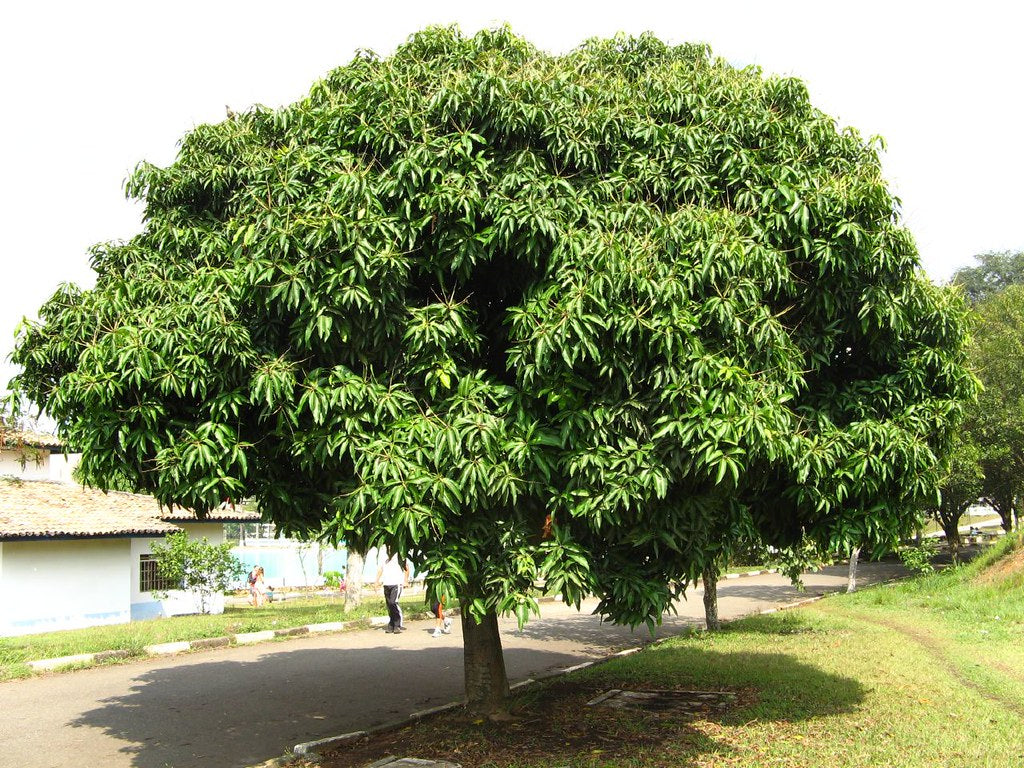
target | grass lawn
[
  {"x": 133, "y": 637},
  {"x": 924, "y": 673}
]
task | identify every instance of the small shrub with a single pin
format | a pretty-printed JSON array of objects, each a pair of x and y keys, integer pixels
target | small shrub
[
  {"x": 196, "y": 565},
  {"x": 918, "y": 557},
  {"x": 333, "y": 579}
]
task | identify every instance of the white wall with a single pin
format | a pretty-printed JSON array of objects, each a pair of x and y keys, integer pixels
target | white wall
[
  {"x": 63, "y": 584},
  {"x": 146, "y": 605},
  {"x": 62, "y": 465},
  {"x": 36, "y": 464}
]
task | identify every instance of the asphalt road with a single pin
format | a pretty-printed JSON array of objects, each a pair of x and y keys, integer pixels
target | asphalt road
[{"x": 239, "y": 706}]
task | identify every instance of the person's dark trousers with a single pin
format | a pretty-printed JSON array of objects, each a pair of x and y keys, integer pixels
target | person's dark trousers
[{"x": 391, "y": 594}]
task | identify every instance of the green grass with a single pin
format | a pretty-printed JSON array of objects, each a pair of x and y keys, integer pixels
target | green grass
[
  {"x": 927, "y": 672},
  {"x": 916, "y": 674},
  {"x": 741, "y": 569},
  {"x": 133, "y": 637}
]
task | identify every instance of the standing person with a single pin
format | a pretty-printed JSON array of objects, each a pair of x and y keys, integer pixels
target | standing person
[
  {"x": 393, "y": 574},
  {"x": 258, "y": 587},
  {"x": 251, "y": 582},
  {"x": 442, "y": 624}
]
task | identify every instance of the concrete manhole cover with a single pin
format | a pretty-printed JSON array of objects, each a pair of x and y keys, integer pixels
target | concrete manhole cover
[
  {"x": 679, "y": 702},
  {"x": 411, "y": 762}
]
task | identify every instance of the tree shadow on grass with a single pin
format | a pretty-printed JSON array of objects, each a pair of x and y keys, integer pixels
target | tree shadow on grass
[{"x": 555, "y": 726}]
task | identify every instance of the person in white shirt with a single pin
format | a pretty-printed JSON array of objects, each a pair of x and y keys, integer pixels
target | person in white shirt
[{"x": 393, "y": 574}]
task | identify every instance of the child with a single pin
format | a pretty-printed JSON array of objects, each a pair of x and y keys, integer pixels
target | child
[{"x": 442, "y": 624}]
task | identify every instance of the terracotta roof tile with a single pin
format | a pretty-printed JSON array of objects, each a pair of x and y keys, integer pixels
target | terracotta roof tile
[
  {"x": 14, "y": 438},
  {"x": 225, "y": 514},
  {"x": 38, "y": 508}
]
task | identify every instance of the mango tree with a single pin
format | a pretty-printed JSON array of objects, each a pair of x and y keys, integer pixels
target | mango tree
[{"x": 520, "y": 317}]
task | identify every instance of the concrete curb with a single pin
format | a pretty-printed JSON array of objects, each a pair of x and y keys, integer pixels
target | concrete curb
[
  {"x": 247, "y": 638},
  {"x": 207, "y": 643}
]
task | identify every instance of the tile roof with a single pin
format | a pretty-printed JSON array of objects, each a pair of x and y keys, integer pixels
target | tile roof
[
  {"x": 223, "y": 514},
  {"x": 43, "y": 509},
  {"x": 16, "y": 438}
]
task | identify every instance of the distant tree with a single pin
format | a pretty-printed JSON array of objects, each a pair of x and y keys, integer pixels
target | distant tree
[
  {"x": 962, "y": 487},
  {"x": 197, "y": 565},
  {"x": 520, "y": 318},
  {"x": 996, "y": 423},
  {"x": 997, "y": 270},
  {"x": 747, "y": 547}
]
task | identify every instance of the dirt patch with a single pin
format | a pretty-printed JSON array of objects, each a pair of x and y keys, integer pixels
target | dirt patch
[
  {"x": 1007, "y": 567},
  {"x": 552, "y": 725}
]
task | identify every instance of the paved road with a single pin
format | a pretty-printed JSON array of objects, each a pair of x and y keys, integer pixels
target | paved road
[{"x": 240, "y": 706}]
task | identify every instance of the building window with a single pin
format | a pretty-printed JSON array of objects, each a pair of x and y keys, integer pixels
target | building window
[{"x": 149, "y": 577}]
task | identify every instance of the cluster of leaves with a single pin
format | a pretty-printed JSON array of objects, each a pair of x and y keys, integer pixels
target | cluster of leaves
[{"x": 584, "y": 318}]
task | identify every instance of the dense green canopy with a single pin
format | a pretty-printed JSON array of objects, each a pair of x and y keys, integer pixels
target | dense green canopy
[{"x": 579, "y": 317}]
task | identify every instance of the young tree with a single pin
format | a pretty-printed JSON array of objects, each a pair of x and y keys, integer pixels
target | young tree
[
  {"x": 197, "y": 565},
  {"x": 519, "y": 317}
]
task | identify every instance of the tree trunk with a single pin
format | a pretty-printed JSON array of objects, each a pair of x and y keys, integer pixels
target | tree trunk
[
  {"x": 952, "y": 531},
  {"x": 851, "y": 579},
  {"x": 486, "y": 681},
  {"x": 1007, "y": 520},
  {"x": 1003, "y": 504},
  {"x": 710, "y": 579},
  {"x": 353, "y": 579}
]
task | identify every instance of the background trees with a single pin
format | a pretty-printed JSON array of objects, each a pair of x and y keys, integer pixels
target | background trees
[
  {"x": 995, "y": 271},
  {"x": 962, "y": 487},
  {"x": 987, "y": 457},
  {"x": 519, "y": 317},
  {"x": 997, "y": 422}
]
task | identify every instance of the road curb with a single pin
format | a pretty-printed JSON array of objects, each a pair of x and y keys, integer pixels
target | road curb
[
  {"x": 202, "y": 644},
  {"x": 246, "y": 638}
]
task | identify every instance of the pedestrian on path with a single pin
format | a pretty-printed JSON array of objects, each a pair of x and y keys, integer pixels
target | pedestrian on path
[
  {"x": 443, "y": 624},
  {"x": 256, "y": 586},
  {"x": 393, "y": 574}
]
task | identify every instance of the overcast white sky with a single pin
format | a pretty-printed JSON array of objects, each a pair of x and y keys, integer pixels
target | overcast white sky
[{"x": 90, "y": 89}]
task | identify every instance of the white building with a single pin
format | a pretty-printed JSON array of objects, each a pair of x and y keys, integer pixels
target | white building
[
  {"x": 32, "y": 456},
  {"x": 76, "y": 557}
]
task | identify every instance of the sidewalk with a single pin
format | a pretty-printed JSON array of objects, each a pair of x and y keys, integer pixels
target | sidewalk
[{"x": 78, "y": 661}]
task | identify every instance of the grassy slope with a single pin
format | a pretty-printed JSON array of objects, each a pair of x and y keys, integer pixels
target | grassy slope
[
  {"x": 913, "y": 675},
  {"x": 920, "y": 673}
]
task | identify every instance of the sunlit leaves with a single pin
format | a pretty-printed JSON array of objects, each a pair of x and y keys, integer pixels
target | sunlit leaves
[{"x": 582, "y": 318}]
